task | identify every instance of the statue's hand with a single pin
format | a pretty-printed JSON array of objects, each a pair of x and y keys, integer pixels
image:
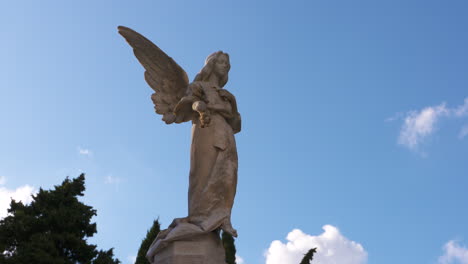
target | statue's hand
[
  {"x": 199, "y": 106},
  {"x": 202, "y": 110}
]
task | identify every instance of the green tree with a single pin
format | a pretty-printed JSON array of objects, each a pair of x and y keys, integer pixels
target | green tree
[
  {"x": 52, "y": 229},
  {"x": 229, "y": 248},
  {"x": 146, "y": 243},
  {"x": 308, "y": 256}
]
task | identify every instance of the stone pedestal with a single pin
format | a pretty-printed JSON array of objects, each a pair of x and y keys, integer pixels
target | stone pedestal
[{"x": 202, "y": 249}]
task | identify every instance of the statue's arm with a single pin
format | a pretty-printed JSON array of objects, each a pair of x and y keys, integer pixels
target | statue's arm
[
  {"x": 233, "y": 102},
  {"x": 234, "y": 119}
]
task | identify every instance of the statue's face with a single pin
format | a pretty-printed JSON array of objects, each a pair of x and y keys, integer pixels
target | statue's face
[{"x": 221, "y": 66}]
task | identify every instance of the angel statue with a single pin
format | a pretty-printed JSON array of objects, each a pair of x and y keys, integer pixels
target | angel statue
[{"x": 215, "y": 119}]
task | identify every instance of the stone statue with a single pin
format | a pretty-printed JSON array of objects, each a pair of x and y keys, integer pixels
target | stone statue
[{"x": 213, "y": 155}]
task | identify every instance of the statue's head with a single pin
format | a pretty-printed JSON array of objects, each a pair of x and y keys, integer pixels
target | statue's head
[{"x": 216, "y": 63}]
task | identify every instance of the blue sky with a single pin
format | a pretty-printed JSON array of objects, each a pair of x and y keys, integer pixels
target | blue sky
[{"x": 353, "y": 119}]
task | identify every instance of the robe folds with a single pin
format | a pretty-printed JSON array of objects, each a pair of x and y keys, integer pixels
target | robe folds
[{"x": 212, "y": 177}]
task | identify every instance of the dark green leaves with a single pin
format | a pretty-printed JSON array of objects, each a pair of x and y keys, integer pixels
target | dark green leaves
[
  {"x": 308, "y": 256},
  {"x": 52, "y": 229}
]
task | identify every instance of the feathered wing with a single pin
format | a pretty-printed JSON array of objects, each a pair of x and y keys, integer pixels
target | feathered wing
[{"x": 168, "y": 80}]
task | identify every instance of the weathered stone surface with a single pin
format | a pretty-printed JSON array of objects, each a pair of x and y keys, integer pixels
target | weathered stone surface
[
  {"x": 213, "y": 154},
  {"x": 203, "y": 249}
]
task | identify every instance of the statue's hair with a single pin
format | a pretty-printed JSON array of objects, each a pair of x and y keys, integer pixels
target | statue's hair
[{"x": 207, "y": 70}]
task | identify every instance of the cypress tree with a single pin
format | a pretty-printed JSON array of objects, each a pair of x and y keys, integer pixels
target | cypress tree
[
  {"x": 308, "y": 256},
  {"x": 52, "y": 229},
  {"x": 229, "y": 248},
  {"x": 146, "y": 243}
]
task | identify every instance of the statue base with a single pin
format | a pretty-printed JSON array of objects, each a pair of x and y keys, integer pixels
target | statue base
[{"x": 202, "y": 249}]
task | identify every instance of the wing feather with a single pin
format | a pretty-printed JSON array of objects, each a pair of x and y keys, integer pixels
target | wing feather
[{"x": 163, "y": 75}]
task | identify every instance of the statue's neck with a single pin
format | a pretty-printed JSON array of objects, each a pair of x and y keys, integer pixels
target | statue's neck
[{"x": 213, "y": 80}]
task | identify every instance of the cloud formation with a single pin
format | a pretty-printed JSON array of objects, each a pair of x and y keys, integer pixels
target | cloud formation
[
  {"x": 421, "y": 124},
  {"x": 462, "y": 110},
  {"x": 112, "y": 180},
  {"x": 332, "y": 247},
  {"x": 131, "y": 259},
  {"x": 22, "y": 194},
  {"x": 454, "y": 253},
  {"x": 463, "y": 132},
  {"x": 239, "y": 260},
  {"x": 85, "y": 152},
  {"x": 418, "y": 125}
]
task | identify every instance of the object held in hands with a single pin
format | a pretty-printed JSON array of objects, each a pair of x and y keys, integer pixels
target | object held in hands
[{"x": 201, "y": 108}]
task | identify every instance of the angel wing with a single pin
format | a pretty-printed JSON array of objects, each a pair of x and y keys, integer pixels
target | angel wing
[{"x": 163, "y": 74}]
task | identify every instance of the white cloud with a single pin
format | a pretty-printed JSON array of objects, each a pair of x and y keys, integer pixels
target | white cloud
[
  {"x": 463, "y": 132},
  {"x": 462, "y": 110},
  {"x": 332, "y": 247},
  {"x": 22, "y": 194},
  {"x": 2, "y": 180},
  {"x": 454, "y": 253},
  {"x": 396, "y": 116},
  {"x": 131, "y": 259},
  {"x": 418, "y": 126},
  {"x": 239, "y": 260},
  {"x": 112, "y": 180},
  {"x": 85, "y": 152}
]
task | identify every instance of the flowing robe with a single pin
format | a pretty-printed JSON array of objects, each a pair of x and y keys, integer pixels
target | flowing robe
[
  {"x": 213, "y": 168},
  {"x": 213, "y": 174}
]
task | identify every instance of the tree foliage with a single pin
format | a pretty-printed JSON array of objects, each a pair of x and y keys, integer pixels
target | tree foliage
[
  {"x": 308, "y": 256},
  {"x": 52, "y": 229},
  {"x": 146, "y": 243},
  {"x": 229, "y": 248}
]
